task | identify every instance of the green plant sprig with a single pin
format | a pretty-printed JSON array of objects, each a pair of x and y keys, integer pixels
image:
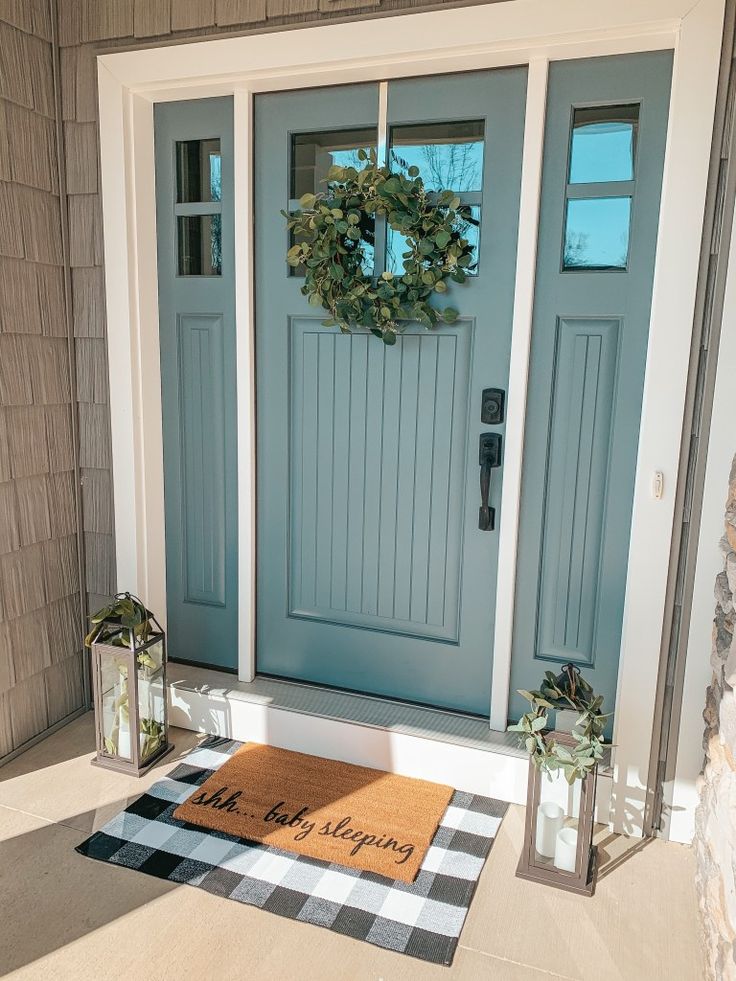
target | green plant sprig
[
  {"x": 118, "y": 622},
  {"x": 546, "y": 753},
  {"x": 332, "y": 227}
]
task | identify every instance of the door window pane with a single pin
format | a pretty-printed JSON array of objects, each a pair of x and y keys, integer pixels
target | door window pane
[
  {"x": 449, "y": 155},
  {"x": 312, "y": 155},
  {"x": 597, "y": 233},
  {"x": 198, "y": 171},
  {"x": 199, "y": 245},
  {"x": 396, "y": 244},
  {"x": 603, "y": 144}
]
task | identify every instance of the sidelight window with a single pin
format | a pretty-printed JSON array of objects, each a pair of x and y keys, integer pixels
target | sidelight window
[{"x": 600, "y": 188}]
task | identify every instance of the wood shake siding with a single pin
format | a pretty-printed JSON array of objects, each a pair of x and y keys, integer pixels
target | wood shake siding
[{"x": 41, "y": 658}]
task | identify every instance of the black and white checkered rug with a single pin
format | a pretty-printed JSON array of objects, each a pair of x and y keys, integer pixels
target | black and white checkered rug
[{"x": 423, "y": 918}]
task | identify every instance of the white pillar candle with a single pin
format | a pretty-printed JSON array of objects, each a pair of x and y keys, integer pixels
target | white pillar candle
[
  {"x": 566, "y": 848},
  {"x": 549, "y": 821},
  {"x": 124, "y": 738}
]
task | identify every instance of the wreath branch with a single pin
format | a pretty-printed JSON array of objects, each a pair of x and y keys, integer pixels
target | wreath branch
[{"x": 331, "y": 231}]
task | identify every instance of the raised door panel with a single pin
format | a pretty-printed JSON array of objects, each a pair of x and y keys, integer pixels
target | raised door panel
[
  {"x": 377, "y": 453},
  {"x": 578, "y": 457},
  {"x": 202, "y": 415}
]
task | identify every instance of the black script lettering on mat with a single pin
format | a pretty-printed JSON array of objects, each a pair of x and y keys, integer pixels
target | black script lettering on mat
[{"x": 224, "y": 800}]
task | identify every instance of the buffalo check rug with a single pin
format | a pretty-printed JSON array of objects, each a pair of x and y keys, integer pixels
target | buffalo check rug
[{"x": 422, "y": 919}]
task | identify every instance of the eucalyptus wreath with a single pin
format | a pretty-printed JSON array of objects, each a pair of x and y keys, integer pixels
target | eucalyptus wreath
[
  {"x": 569, "y": 690},
  {"x": 332, "y": 228}
]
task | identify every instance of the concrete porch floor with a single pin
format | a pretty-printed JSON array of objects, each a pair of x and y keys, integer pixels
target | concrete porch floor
[{"x": 67, "y": 917}]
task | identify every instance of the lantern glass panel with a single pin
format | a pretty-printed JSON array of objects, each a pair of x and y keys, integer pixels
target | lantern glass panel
[
  {"x": 114, "y": 688},
  {"x": 150, "y": 670}
]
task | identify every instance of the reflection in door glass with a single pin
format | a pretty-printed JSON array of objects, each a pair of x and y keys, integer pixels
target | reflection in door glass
[
  {"x": 199, "y": 245},
  {"x": 396, "y": 243},
  {"x": 198, "y": 171},
  {"x": 449, "y": 155},
  {"x": 312, "y": 155},
  {"x": 603, "y": 144},
  {"x": 597, "y": 233}
]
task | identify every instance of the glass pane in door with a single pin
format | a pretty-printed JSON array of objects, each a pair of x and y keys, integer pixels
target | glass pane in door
[
  {"x": 603, "y": 144},
  {"x": 597, "y": 233},
  {"x": 449, "y": 155},
  {"x": 312, "y": 155},
  {"x": 198, "y": 171}
]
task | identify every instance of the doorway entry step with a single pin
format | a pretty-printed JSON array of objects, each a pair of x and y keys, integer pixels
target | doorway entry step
[{"x": 426, "y": 743}]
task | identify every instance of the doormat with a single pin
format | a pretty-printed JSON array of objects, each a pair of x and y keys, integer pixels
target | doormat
[
  {"x": 356, "y": 816},
  {"x": 422, "y": 919}
]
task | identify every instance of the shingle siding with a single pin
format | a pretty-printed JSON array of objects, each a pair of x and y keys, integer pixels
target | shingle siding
[{"x": 41, "y": 665}]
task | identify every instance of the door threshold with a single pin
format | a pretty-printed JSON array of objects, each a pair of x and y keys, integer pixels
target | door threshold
[
  {"x": 341, "y": 706},
  {"x": 416, "y": 741}
]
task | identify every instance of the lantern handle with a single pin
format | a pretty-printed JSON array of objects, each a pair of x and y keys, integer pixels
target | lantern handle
[{"x": 126, "y": 594}]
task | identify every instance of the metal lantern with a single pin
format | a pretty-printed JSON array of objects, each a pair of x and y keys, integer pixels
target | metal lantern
[
  {"x": 558, "y": 835},
  {"x": 129, "y": 685}
]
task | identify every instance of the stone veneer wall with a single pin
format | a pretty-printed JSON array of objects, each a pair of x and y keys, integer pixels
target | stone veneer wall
[{"x": 715, "y": 833}]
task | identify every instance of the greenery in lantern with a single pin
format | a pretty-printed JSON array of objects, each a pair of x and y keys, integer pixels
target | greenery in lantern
[
  {"x": 127, "y": 623},
  {"x": 567, "y": 691}
]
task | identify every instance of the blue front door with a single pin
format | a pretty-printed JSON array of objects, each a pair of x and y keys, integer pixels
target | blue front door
[
  {"x": 196, "y": 277},
  {"x": 373, "y": 573}
]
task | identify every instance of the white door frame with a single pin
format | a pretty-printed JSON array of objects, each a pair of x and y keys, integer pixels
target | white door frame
[{"x": 531, "y": 32}]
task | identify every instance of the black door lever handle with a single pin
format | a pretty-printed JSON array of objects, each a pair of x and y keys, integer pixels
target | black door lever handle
[{"x": 489, "y": 456}]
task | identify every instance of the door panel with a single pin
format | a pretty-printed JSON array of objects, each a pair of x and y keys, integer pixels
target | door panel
[
  {"x": 372, "y": 572},
  {"x": 194, "y": 184},
  {"x": 202, "y": 413},
  {"x": 372, "y": 450},
  {"x": 603, "y": 159}
]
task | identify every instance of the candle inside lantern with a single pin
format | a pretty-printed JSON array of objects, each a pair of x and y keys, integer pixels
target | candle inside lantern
[
  {"x": 566, "y": 848},
  {"x": 124, "y": 737},
  {"x": 549, "y": 822}
]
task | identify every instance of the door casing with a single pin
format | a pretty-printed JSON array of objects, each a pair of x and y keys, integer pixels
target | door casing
[{"x": 476, "y": 37}]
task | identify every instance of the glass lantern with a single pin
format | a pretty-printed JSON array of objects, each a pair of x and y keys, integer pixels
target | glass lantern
[
  {"x": 558, "y": 833},
  {"x": 129, "y": 685}
]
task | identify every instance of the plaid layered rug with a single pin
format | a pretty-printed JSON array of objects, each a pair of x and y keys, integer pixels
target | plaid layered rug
[{"x": 422, "y": 919}]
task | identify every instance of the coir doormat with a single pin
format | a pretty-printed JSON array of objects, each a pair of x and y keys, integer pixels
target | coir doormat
[
  {"x": 356, "y": 816},
  {"x": 421, "y": 919}
]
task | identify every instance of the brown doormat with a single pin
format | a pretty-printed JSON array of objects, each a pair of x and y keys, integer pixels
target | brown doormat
[{"x": 352, "y": 815}]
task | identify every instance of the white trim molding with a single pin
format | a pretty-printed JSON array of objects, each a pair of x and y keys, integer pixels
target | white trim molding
[
  {"x": 532, "y": 32},
  {"x": 521, "y": 335}
]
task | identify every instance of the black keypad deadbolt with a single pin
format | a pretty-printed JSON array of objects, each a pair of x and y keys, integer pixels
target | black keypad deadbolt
[{"x": 493, "y": 404}]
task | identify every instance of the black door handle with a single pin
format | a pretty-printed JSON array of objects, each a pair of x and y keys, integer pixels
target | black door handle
[{"x": 489, "y": 456}]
